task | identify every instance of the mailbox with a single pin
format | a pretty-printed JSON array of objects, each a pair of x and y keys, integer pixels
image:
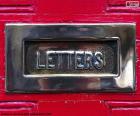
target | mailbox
[{"x": 96, "y": 57}]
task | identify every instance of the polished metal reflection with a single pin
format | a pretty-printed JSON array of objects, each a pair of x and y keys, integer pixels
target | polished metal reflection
[
  {"x": 87, "y": 58},
  {"x": 70, "y": 57}
]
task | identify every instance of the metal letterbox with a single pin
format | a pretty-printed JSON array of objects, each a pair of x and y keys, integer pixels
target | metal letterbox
[{"x": 77, "y": 57}]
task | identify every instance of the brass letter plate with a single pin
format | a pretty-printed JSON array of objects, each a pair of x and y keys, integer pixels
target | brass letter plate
[{"x": 70, "y": 57}]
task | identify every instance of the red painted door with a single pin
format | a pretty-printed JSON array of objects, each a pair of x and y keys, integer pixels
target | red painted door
[{"x": 69, "y": 11}]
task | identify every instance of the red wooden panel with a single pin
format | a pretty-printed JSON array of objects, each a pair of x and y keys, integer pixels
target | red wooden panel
[
  {"x": 70, "y": 7},
  {"x": 121, "y": 2},
  {"x": 69, "y": 11},
  {"x": 15, "y": 2},
  {"x": 14, "y": 6},
  {"x": 126, "y": 111},
  {"x": 124, "y": 108},
  {"x": 17, "y": 108},
  {"x": 124, "y": 6},
  {"x": 123, "y": 104},
  {"x": 74, "y": 108}
]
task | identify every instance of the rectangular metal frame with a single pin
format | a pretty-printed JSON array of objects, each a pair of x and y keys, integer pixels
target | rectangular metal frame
[
  {"x": 75, "y": 75},
  {"x": 16, "y": 81}
]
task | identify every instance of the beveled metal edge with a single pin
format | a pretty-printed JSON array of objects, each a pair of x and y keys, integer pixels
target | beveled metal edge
[
  {"x": 84, "y": 75},
  {"x": 44, "y": 24},
  {"x": 129, "y": 89}
]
